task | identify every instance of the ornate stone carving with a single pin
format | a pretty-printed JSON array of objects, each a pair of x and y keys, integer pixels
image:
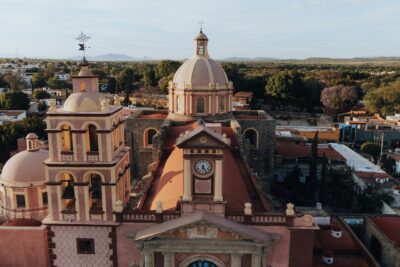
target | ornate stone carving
[
  {"x": 290, "y": 209},
  {"x": 202, "y": 231}
]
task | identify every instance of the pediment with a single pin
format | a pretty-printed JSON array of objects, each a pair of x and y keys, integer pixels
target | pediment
[
  {"x": 202, "y": 137},
  {"x": 204, "y": 225}
]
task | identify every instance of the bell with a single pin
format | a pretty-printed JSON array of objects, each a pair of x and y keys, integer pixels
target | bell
[
  {"x": 96, "y": 189},
  {"x": 69, "y": 191}
]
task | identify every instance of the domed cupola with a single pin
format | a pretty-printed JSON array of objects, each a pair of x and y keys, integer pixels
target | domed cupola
[
  {"x": 200, "y": 86},
  {"x": 85, "y": 96}
]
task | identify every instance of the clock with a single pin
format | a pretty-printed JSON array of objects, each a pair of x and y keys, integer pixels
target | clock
[{"x": 203, "y": 167}]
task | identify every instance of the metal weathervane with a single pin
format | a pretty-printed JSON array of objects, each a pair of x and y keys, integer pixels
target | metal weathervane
[
  {"x": 201, "y": 22},
  {"x": 83, "y": 38}
]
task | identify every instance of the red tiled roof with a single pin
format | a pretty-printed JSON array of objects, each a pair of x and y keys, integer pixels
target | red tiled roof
[
  {"x": 243, "y": 94},
  {"x": 373, "y": 175},
  {"x": 152, "y": 116},
  {"x": 390, "y": 226},
  {"x": 290, "y": 150}
]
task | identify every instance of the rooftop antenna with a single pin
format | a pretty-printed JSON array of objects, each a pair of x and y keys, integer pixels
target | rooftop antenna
[
  {"x": 83, "y": 38},
  {"x": 201, "y": 22}
]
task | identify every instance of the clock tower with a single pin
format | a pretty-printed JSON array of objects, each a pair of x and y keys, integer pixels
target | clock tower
[{"x": 203, "y": 152}]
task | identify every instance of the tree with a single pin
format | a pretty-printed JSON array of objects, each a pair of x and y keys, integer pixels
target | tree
[
  {"x": 14, "y": 81},
  {"x": 389, "y": 165},
  {"x": 112, "y": 85},
  {"x": 323, "y": 185},
  {"x": 385, "y": 100},
  {"x": 14, "y": 100},
  {"x": 371, "y": 149},
  {"x": 312, "y": 178},
  {"x": 149, "y": 76},
  {"x": 340, "y": 184},
  {"x": 371, "y": 200},
  {"x": 126, "y": 101},
  {"x": 166, "y": 67},
  {"x": 338, "y": 98},
  {"x": 55, "y": 83},
  {"x": 38, "y": 81},
  {"x": 40, "y": 94},
  {"x": 286, "y": 85},
  {"x": 312, "y": 90}
]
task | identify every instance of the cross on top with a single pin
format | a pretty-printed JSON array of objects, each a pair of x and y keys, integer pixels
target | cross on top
[
  {"x": 201, "y": 22},
  {"x": 82, "y": 38}
]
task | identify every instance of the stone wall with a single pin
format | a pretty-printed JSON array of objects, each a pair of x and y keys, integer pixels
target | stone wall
[
  {"x": 261, "y": 159},
  {"x": 389, "y": 252},
  {"x": 140, "y": 155},
  {"x": 63, "y": 245}
]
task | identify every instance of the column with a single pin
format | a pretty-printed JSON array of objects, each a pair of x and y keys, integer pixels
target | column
[
  {"x": 148, "y": 258},
  {"x": 187, "y": 180},
  {"x": 218, "y": 180},
  {"x": 236, "y": 260},
  {"x": 168, "y": 259},
  {"x": 255, "y": 260},
  {"x": 209, "y": 104},
  {"x": 190, "y": 104}
]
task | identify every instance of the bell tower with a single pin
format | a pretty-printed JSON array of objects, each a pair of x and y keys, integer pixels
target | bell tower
[{"x": 203, "y": 152}]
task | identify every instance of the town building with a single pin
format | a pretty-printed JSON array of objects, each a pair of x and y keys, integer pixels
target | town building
[{"x": 11, "y": 115}]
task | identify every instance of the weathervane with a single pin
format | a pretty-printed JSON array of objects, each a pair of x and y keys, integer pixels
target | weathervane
[
  {"x": 201, "y": 22},
  {"x": 82, "y": 44}
]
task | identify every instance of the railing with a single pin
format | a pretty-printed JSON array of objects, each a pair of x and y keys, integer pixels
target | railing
[
  {"x": 260, "y": 219},
  {"x": 147, "y": 216},
  {"x": 67, "y": 156},
  {"x": 92, "y": 156}
]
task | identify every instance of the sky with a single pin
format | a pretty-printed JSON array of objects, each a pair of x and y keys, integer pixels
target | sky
[{"x": 164, "y": 29}]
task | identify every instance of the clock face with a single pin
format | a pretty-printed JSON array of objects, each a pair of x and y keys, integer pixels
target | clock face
[{"x": 203, "y": 166}]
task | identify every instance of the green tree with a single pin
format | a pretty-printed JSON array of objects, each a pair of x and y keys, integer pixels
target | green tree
[
  {"x": 55, "y": 83},
  {"x": 14, "y": 100},
  {"x": 149, "y": 76},
  {"x": 126, "y": 101},
  {"x": 14, "y": 81},
  {"x": 389, "y": 164},
  {"x": 286, "y": 85},
  {"x": 371, "y": 200},
  {"x": 340, "y": 186},
  {"x": 312, "y": 90},
  {"x": 312, "y": 178},
  {"x": 166, "y": 67},
  {"x": 371, "y": 149},
  {"x": 38, "y": 81},
  {"x": 323, "y": 185},
  {"x": 41, "y": 94},
  {"x": 385, "y": 100}
]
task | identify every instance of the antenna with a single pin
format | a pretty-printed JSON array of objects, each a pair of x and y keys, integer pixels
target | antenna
[
  {"x": 82, "y": 38},
  {"x": 201, "y": 22}
]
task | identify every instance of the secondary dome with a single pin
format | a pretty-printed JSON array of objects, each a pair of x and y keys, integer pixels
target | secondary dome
[
  {"x": 26, "y": 166},
  {"x": 83, "y": 102},
  {"x": 200, "y": 71}
]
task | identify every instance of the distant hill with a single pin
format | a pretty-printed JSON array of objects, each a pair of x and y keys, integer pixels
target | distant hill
[
  {"x": 249, "y": 59},
  {"x": 111, "y": 57}
]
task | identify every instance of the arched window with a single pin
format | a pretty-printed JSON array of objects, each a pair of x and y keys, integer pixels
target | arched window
[
  {"x": 66, "y": 138},
  {"x": 92, "y": 138},
  {"x": 202, "y": 264},
  {"x": 221, "y": 104},
  {"x": 252, "y": 137},
  {"x": 200, "y": 104},
  {"x": 82, "y": 87},
  {"x": 148, "y": 137},
  {"x": 68, "y": 192},
  {"x": 179, "y": 103},
  {"x": 95, "y": 193}
]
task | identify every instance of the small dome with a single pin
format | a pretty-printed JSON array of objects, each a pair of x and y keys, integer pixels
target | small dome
[
  {"x": 85, "y": 72},
  {"x": 199, "y": 72},
  {"x": 201, "y": 36},
  {"x": 83, "y": 102},
  {"x": 25, "y": 167},
  {"x": 31, "y": 136}
]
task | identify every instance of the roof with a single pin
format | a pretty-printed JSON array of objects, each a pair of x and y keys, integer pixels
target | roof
[
  {"x": 290, "y": 150},
  {"x": 83, "y": 102},
  {"x": 354, "y": 160},
  {"x": 244, "y": 94},
  {"x": 167, "y": 186},
  {"x": 187, "y": 136},
  {"x": 205, "y": 217},
  {"x": 25, "y": 168},
  {"x": 390, "y": 226},
  {"x": 22, "y": 222}
]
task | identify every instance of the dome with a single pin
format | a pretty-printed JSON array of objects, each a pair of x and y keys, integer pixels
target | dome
[
  {"x": 83, "y": 102},
  {"x": 25, "y": 167},
  {"x": 199, "y": 72}
]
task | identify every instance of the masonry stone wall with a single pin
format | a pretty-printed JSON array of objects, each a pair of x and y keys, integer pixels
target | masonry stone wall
[
  {"x": 389, "y": 251},
  {"x": 63, "y": 246}
]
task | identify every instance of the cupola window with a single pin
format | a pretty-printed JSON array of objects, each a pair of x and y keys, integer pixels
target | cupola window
[
  {"x": 148, "y": 137},
  {"x": 222, "y": 104},
  {"x": 252, "y": 137},
  {"x": 201, "y": 50},
  {"x": 200, "y": 103},
  {"x": 92, "y": 138},
  {"x": 95, "y": 193},
  {"x": 66, "y": 139}
]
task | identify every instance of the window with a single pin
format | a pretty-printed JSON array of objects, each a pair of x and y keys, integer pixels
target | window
[
  {"x": 44, "y": 198},
  {"x": 95, "y": 193},
  {"x": 82, "y": 87},
  {"x": 20, "y": 201},
  {"x": 179, "y": 104},
  {"x": 149, "y": 134},
  {"x": 85, "y": 246},
  {"x": 66, "y": 139},
  {"x": 222, "y": 104},
  {"x": 200, "y": 104},
  {"x": 201, "y": 50},
  {"x": 251, "y": 137},
  {"x": 93, "y": 141}
]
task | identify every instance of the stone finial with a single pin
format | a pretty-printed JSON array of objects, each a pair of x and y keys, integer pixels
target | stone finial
[
  {"x": 53, "y": 105},
  {"x": 105, "y": 105},
  {"x": 289, "y": 209},
  {"x": 159, "y": 208},
  {"x": 118, "y": 206},
  {"x": 247, "y": 208},
  {"x": 117, "y": 101}
]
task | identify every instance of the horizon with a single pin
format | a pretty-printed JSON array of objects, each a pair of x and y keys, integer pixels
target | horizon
[{"x": 292, "y": 30}]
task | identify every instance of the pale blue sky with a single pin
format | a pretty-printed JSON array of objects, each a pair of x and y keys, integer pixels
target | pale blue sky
[{"x": 165, "y": 28}]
